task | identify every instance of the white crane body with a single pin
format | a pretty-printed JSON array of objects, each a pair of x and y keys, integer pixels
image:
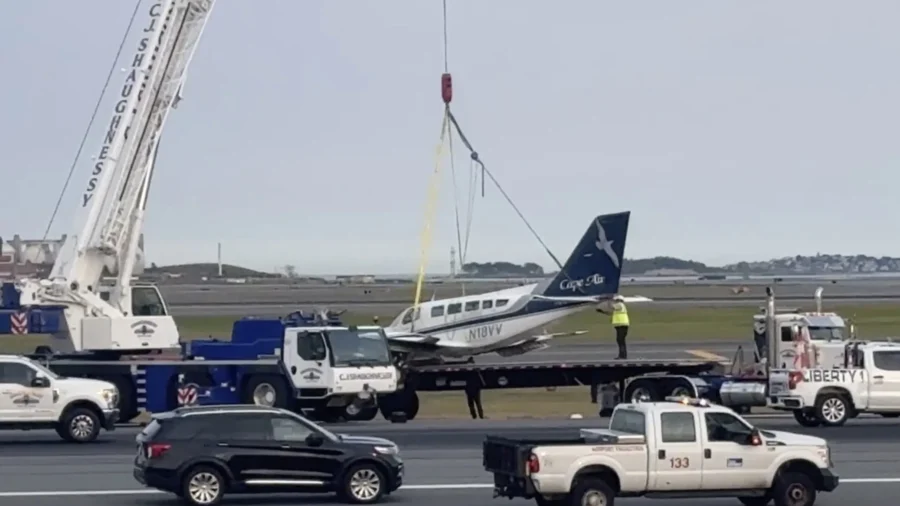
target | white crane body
[{"x": 122, "y": 317}]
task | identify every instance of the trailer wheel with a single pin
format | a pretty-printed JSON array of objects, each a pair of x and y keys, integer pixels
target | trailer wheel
[
  {"x": 641, "y": 390},
  {"x": 266, "y": 390}
]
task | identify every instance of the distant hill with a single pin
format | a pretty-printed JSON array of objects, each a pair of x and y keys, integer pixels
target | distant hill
[{"x": 208, "y": 270}]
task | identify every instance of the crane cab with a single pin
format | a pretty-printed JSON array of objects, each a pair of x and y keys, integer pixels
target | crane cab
[{"x": 146, "y": 299}]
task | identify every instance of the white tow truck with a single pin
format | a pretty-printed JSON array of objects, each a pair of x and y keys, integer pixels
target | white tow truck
[
  {"x": 868, "y": 381},
  {"x": 680, "y": 448},
  {"x": 34, "y": 397}
]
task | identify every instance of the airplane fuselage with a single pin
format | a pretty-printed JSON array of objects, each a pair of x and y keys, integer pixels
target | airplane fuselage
[{"x": 477, "y": 324}]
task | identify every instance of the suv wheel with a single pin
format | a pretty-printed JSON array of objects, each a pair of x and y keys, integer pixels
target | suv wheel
[
  {"x": 79, "y": 425},
  {"x": 202, "y": 486},
  {"x": 363, "y": 484},
  {"x": 592, "y": 492},
  {"x": 794, "y": 489},
  {"x": 833, "y": 410}
]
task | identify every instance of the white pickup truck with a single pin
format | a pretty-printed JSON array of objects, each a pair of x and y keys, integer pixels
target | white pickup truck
[
  {"x": 676, "y": 449},
  {"x": 868, "y": 382},
  {"x": 34, "y": 397}
]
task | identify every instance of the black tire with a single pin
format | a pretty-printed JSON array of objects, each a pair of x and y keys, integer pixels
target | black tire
[
  {"x": 194, "y": 477},
  {"x": 412, "y": 406},
  {"x": 794, "y": 489},
  {"x": 363, "y": 484},
  {"x": 79, "y": 425},
  {"x": 807, "y": 417},
  {"x": 648, "y": 387},
  {"x": 365, "y": 414},
  {"x": 833, "y": 409},
  {"x": 588, "y": 486},
  {"x": 275, "y": 384},
  {"x": 755, "y": 501}
]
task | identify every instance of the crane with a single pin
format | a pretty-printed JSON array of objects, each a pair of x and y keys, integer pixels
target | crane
[{"x": 122, "y": 317}]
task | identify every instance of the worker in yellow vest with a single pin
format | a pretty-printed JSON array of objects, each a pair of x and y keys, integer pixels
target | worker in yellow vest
[{"x": 618, "y": 312}]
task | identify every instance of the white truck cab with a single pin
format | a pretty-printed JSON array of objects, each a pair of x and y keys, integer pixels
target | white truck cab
[
  {"x": 867, "y": 380},
  {"x": 346, "y": 367},
  {"x": 681, "y": 448},
  {"x": 34, "y": 397}
]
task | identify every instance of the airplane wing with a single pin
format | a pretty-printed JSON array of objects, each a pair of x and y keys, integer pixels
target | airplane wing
[
  {"x": 627, "y": 300},
  {"x": 534, "y": 343},
  {"x": 414, "y": 341}
]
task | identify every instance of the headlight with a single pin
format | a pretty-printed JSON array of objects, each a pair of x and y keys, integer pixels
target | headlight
[
  {"x": 387, "y": 450},
  {"x": 111, "y": 396}
]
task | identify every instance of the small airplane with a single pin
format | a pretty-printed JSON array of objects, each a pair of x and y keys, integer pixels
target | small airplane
[{"x": 502, "y": 321}]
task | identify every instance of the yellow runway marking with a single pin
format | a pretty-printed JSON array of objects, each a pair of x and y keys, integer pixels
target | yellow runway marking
[{"x": 707, "y": 355}]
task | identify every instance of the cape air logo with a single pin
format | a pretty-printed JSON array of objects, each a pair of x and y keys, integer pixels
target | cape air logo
[
  {"x": 578, "y": 284},
  {"x": 605, "y": 245}
]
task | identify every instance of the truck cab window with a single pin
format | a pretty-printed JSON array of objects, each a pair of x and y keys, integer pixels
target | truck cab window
[
  {"x": 787, "y": 334},
  {"x": 678, "y": 428},
  {"x": 629, "y": 421},
  {"x": 886, "y": 360},
  {"x": 16, "y": 374},
  {"x": 725, "y": 427},
  {"x": 145, "y": 301},
  {"x": 311, "y": 346}
]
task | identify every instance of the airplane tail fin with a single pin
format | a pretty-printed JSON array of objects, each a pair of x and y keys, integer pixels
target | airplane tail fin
[{"x": 595, "y": 265}]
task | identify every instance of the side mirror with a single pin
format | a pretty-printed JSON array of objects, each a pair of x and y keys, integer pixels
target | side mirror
[
  {"x": 40, "y": 382},
  {"x": 754, "y": 438},
  {"x": 314, "y": 439}
]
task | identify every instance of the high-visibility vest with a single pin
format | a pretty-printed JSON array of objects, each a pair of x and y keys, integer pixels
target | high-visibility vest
[{"x": 619, "y": 315}]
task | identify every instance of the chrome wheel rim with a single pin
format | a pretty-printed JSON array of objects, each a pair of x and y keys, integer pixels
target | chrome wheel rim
[
  {"x": 264, "y": 395},
  {"x": 796, "y": 494},
  {"x": 834, "y": 410},
  {"x": 82, "y": 427},
  {"x": 353, "y": 409},
  {"x": 593, "y": 498},
  {"x": 365, "y": 484},
  {"x": 204, "y": 488},
  {"x": 640, "y": 394}
]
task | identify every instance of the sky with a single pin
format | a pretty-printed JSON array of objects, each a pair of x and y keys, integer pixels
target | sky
[{"x": 731, "y": 130}]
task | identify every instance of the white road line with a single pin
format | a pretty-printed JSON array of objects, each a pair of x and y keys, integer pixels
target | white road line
[{"x": 437, "y": 486}]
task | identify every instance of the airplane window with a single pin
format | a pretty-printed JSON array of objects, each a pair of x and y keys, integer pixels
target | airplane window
[
  {"x": 472, "y": 305},
  {"x": 454, "y": 308},
  {"x": 408, "y": 317},
  {"x": 502, "y": 302},
  {"x": 487, "y": 304},
  {"x": 437, "y": 311}
]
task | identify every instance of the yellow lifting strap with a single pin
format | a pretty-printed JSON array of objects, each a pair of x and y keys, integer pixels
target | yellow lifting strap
[{"x": 431, "y": 207}]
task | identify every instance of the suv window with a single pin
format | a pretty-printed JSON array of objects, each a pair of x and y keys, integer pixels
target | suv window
[
  {"x": 16, "y": 373},
  {"x": 189, "y": 427},
  {"x": 288, "y": 429},
  {"x": 240, "y": 426},
  {"x": 725, "y": 427},
  {"x": 886, "y": 360},
  {"x": 678, "y": 428},
  {"x": 626, "y": 420}
]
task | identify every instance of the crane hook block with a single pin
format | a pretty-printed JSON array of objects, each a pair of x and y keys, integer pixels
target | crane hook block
[{"x": 446, "y": 88}]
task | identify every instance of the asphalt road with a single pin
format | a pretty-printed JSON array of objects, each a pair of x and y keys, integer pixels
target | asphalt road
[
  {"x": 443, "y": 462},
  {"x": 275, "y": 299}
]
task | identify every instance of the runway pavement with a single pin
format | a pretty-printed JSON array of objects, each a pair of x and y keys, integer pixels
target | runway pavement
[
  {"x": 443, "y": 465},
  {"x": 279, "y": 299}
]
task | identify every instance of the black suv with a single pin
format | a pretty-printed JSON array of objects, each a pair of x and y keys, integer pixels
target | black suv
[{"x": 201, "y": 453}]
